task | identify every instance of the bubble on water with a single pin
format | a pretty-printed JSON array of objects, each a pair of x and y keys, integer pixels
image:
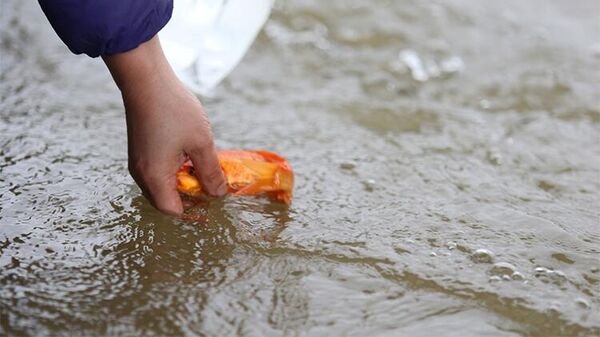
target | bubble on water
[
  {"x": 554, "y": 309},
  {"x": 550, "y": 276},
  {"x": 484, "y": 104},
  {"x": 506, "y": 278},
  {"x": 412, "y": 60},
  {"x": 451, "y": 245},
  {"x": 422, "y": 69},
  {"x": 582, "y": 303},
  {"x": 482, "y": 256},
  {"x": 502, "y": 269},
  {"x": 495, "y": 278},
  {"x": 432, "y": 254},
  {"x": 369, "y": 185},
  {"x": 494, "y": 157},
  {"x": 517, "y": 276}
]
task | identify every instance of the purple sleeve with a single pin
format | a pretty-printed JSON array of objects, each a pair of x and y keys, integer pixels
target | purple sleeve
[{"x": 105, "y": 27}]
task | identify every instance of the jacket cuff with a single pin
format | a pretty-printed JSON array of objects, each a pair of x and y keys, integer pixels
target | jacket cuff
[
  {"x": 138, "y": 34},
  {"x": 106, "y": 27}
]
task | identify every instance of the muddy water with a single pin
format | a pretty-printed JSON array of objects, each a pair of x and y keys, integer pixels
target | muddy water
[{"x": 448, "y": 181}]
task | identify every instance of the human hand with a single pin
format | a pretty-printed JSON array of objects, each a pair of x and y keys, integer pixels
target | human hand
[{"x": 165, "y": 124}]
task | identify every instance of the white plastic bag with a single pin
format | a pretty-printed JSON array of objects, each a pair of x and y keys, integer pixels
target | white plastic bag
[{"x": 206, "y": 39}]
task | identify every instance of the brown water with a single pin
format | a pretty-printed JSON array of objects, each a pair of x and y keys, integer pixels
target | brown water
[{"x": 448, "y": 181}]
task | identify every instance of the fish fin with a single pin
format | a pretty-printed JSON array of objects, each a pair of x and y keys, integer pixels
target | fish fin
[
  {"x": 263, "y": 170},
  {"x": 259, "y": 186}
]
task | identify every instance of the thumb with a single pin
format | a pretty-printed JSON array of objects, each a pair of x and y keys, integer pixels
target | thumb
[{"x": 208, "y": 170}]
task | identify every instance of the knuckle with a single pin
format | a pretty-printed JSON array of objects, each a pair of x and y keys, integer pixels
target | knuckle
[
  {"x": 206, "y": 143},
  {"x": 141, "y": 169}
]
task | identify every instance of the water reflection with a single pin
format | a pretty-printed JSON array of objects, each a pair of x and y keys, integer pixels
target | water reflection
[
  {"x": 166, "y": 264},
  {"x": 195, "y": 248},
  {"x": 464, "y": 203}
]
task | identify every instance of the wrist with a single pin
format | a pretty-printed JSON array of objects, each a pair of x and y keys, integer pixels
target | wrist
[{"x": 141, "y": 69}]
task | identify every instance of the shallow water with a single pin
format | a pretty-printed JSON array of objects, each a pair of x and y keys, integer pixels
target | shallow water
[{"x": 448, "y": 181}]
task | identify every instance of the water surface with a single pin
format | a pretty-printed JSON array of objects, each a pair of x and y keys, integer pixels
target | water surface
[{"x": 448, "y": 181}]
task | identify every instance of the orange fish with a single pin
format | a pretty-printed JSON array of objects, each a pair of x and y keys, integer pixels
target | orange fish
[{"x": 247, "y": 173}]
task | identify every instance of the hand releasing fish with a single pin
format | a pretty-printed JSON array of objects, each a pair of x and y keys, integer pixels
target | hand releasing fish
[{"x": 247, "y": 173}]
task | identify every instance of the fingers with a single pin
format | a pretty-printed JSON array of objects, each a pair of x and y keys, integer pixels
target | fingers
[
  {"x": 159, "y": 188},
  {"x": 208, "y": 170},
  {"x": 165, "y": 197}
]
